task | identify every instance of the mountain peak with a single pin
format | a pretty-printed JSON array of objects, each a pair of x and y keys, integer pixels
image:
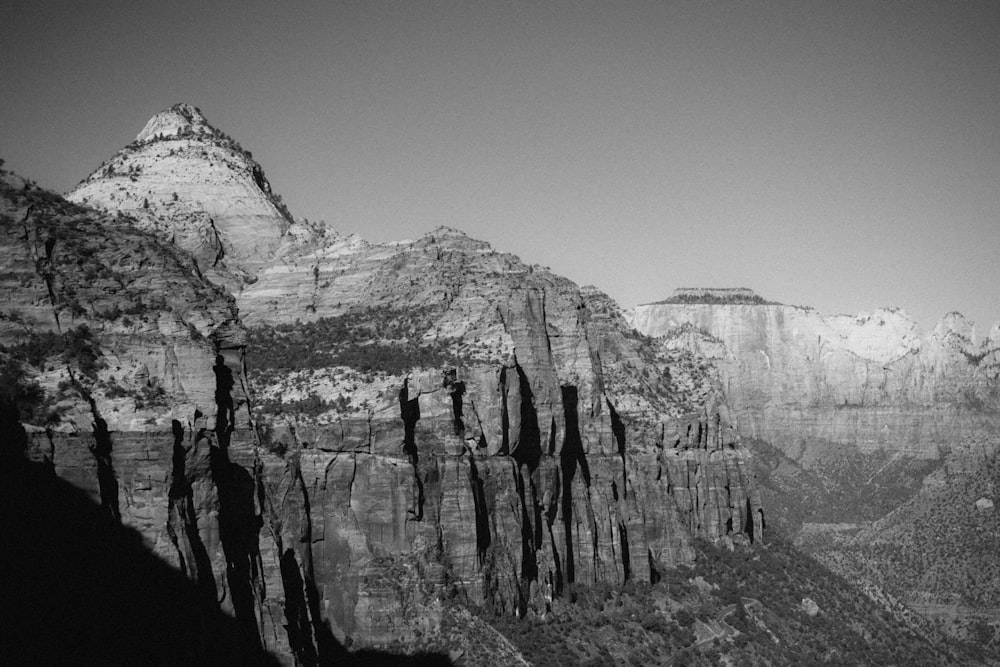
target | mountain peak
[
  {"x": 181, "y": 118},
  {"x": 191, "y": 184}
]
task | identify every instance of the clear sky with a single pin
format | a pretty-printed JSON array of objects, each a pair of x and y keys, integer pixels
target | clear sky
[{"x": 840, "y": 155}]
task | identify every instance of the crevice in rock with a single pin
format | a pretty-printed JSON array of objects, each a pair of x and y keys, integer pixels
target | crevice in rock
[
  {"x": 297, "y": 626},
  {"x": 239, "y": 524},
  {"x": 572, "y": 451},
  {"x": 571, "y": 459},
  {"x": 626, "y": 556},
  {"x": 504, "y": 415},
  {"x": 654, "y": 573},
  {"x": 481, "y": 442},
  {"x": 618, "y": 430},
  {"x": 409, "y": 412},
  {"x": 529, "y": 562},
  {"x": 528, "y": 450},
  {"x": 483, "y": 537},
  {"x": 308, "y": 634},
  {"x": 182, "y": 523},
  {"x": 220, "y": 252},
  {"x": 748, "y": 527},
  {"x": 559, "y": 583},
  {"x": 456, "y": 389},
  {"x": 101, "y": 451}
]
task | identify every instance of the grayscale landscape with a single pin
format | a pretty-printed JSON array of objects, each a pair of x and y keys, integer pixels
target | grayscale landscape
[{"x": 393, "y": 432}]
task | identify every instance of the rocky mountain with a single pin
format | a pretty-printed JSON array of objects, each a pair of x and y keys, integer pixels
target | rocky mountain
[
  {"x": 861, "y": 423},
  {"x": 192, "y": 184},
  {"x": 505, "y": 437},
  {"x": 404, "y": 446}
]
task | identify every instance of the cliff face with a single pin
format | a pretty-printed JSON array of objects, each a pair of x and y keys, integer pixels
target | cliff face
[
  {"x": 805, "y": 382},
  {"x": 874, "y": 440},
  {"x": 549, "y": 445},
  {"x": 436, "y": 420},
  {"x": 126, "y": 367}
]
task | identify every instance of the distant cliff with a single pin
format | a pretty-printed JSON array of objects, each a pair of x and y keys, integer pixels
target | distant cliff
[
  {"x": 874, "y": 441},
  {"x": 804, "y": 381}
]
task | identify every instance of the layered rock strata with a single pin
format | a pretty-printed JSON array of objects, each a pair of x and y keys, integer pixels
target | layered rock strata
[
  {"x": 555, "y": 447},
  {"x": 805, "y": 382},
  {"x": 538, "y": 443},
  {"x": 194, "y": 186},
  {"x": 897, "y": 429}
]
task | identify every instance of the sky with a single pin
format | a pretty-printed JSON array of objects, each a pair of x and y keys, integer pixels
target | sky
[{"x": 840, "y": 155}]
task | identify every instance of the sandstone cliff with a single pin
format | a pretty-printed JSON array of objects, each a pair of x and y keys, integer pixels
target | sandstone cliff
[
  {"x": 521, "y": 441},
  {"x": 805, "y": 382},
  {"x": 550, "y": 446},
  {"x": 873, "y": 439}
]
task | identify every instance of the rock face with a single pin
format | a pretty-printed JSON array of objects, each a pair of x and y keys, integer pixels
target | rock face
[
  {"x": 553, "y": 447},
  {"x": 486, "y": 431},
  {"x": 898, "y": 431},
  {"x": 193, "y": 185},
  {"x": 804, "y": 382},
  {"x": 126, "y": 366}
]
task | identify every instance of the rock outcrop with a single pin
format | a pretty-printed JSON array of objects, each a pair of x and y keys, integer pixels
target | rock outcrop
[
  {"x": 193, "y": 185},
  {"x": 805, "y": 382},
  {"x": 126, "y": 366},
  {"x": 874, "y": 439},
  {"x": 487, "y": 432},
  {"x": 552, "y": 446}
]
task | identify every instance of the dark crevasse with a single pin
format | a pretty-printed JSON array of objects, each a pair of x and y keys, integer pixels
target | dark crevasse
[
  {"x": 571, "y": 460},
  {"x": 182, "y": 523},
  {"x": 409, "y": 412},
  {"x": 101, "y": 451},
  {"x": 626, "y": 554},
  {"x": 618, "y": 430},
  {"x": 482, "y": 510},
  {"x": 504, "y": 414},
  {"x": 309, "y": 636},
  {"x": 528, "y": 450},
  {"x": 298, "y": 625},
  {"x": 456, "y": 389},
  {"x": 239, "y": 523},
  {"x": 529, "y": 547}
]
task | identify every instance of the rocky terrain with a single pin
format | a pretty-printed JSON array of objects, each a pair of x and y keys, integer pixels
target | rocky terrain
[
  {"x": 425, "y": 447},
  {"x": 228, "y": 217},
  {"x": 863, "y": 425},
  {"x": 522, "y": 440}
]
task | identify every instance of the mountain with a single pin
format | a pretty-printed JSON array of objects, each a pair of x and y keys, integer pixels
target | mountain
[
  {"x": 506, "y": 437},
  {"x": 871, "y": 436},
  {"x": 192, "y": 184},
  {"x": 422, "y": 447}
]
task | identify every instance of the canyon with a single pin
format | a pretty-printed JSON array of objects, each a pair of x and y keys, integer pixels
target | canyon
[
  {"x": 547, "y": 445},
  {"x": 875, "y": 440},
  {"x": 335, "y": 445}
]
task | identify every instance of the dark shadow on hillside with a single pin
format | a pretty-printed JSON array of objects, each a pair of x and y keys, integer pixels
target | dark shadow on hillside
[{"x": 78, "y": 589}]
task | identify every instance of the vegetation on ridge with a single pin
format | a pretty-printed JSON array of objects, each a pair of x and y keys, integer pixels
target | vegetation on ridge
[{"x": 748, "y": 606}]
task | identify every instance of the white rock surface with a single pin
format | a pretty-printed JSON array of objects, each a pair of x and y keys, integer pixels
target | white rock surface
[
  {"x": 802, "y": 380},
  {"x": 191, "y": 184}
]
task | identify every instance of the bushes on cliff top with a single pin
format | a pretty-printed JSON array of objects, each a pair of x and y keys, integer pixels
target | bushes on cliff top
[{"x": 374, "y": 339}]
